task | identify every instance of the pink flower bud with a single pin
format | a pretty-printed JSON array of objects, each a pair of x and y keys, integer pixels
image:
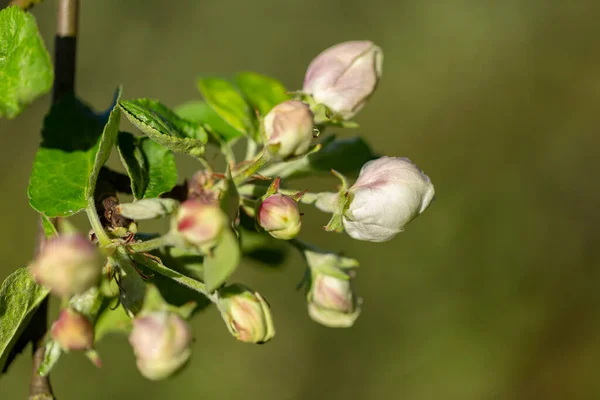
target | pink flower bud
[
  {"x": 332, "y": 293},
  {"x": 246, "y": 314},
  {"x": 278, "y": 214},
  {"x": 344, "y": 76},
  {"x": 289, "y": 129},
  {"x": 331, "y": 301},
  {"x": 73, "y": 331},
  {"x": 388, "y": 193},
  {"x": 200, "y": 224},
  {"x": 68, "y": 265},
  {"x": 161, "y": 344}
]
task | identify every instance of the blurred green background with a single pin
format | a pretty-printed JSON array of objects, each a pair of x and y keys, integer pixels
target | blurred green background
[{"x": 491, "y": 294}]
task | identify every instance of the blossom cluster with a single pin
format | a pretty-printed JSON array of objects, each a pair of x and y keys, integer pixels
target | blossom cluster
[{"x": 388, "y": 193}]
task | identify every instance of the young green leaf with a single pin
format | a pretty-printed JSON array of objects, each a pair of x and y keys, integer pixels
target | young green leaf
[
  {"x": 150, "y": 166},
  {"x": 165, "y": 127},
  {"x": 108, "y": 140},
  {"x": 20, "y": 296},
  {"x": 200, "y": 112},
  {"x": 25, "y": 67},
  {"x": 223, "y": 97},
  {"x": 230, "y": 198},
  {"x": 52, "y": 352},
  {"x": 187, "y": 262},
  {"x": 75, "y": 144},
  {"x": 150, "y": 208},
  {"x": 111, "y": 321},
  {"x": 186, "y": 294},
  {"x": 225, "y": 258},
  {"x": 261, "y": 91}
]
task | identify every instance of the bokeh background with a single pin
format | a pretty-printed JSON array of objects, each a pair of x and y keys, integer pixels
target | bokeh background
[{"x": 492, "y": 294}]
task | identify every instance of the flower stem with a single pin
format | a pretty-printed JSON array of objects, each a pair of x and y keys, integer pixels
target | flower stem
[
  {"x": 152, "y": 244},
  {"x": 241, "y": 176},
  {"x": 254, "y": 190},
  {"x": 92, "y": 214},
  {"x": 176, "y": 276}
]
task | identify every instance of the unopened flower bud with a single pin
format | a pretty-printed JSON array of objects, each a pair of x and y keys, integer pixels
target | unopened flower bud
[
  {"x": 344, "y": 76},
  {"x": 278, "y": 214},
  {"x": 73, "y": 331},
  {"x": 331, "y": 301},
  {"x": 200, "y": 187},
  {"x": 246, "y": 314},
  {"x": 200, "y": 224},
  {"x": 161, "y": 344},
  {"x": 68, "y": 265},
  {"x": 388, "y": 193},
  {"x": 289, "y": 129}
]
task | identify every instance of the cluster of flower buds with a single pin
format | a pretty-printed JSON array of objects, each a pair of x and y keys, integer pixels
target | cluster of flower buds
[
  {"x": 388, "y": 193},
  {"x": 246, "y": 314},
  {"x": 344, "y": 76},
  {"x": 161, "y": 343},
  {"x": 68, "y": 265}
]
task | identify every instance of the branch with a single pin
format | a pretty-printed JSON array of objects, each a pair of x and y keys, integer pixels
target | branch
[{"x": 64, "y": 84}]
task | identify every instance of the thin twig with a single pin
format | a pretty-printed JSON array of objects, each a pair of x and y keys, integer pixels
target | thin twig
[{"x": 64, "y": 85}]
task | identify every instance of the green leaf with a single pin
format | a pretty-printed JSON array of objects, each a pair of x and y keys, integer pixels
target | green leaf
[
  {"x": 262, "y": 247},
  {"x": 180, "y": 291},
  {"x": 261, "y": 91},
  {"x": 150, "y": 166},
  {"x": 223, "y": 97},
  {"x": 111, "y": 321},
  {"x": 148, "y": 208},
  {"x": 20, "y": 296},
  {"x": 107, "y": 142},
  {"x": 25, "y": 67},
  {"x": 223, "y": 261},
  {"x": 230, "y": 198},
  {"x": 187, "y": 262},
  {"x": 200, "y": 112},
  {"x": 88, "y": 303},
  {"x": 75, "y": 144},
  {"x": 52, "y": 353},
  {"x": 346, "y": 156},
  {"x": 165, "y": 127}
]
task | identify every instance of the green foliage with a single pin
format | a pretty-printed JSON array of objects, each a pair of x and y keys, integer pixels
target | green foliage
[
  {"x": 150, "y": 166},
  {"x": 111, "y": 319},
  {"x": 20, "y": 296},
  {"x": 201, "y": 112},
  {"x": 262, "y": 92},
  {"x": 25, "y": 67},
  {"x": 223, "y": 97},
  {"x": 75, "y": 144},
  {"x": 165, "y": 127},
  {"x": 223, "y": 261},
  {"x": 52, "y": 354}
]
